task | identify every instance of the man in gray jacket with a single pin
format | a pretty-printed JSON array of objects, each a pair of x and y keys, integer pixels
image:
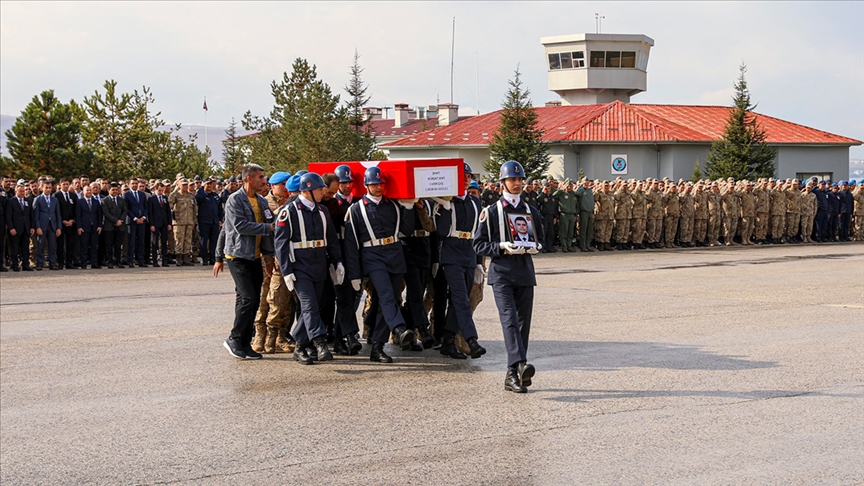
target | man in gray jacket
[{"x": 247, "y": 233}]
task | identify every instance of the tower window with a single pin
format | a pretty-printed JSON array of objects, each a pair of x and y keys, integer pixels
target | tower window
[
  {"x": 566, "y": 60},
  {"x": 612, "y": 59}
]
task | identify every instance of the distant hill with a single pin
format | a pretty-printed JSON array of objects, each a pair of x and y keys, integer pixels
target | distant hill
[{"x": 215, "y": 135}]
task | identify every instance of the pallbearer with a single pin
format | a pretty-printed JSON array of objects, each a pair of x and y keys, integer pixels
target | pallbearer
[
  {"x": 306, "y": 248},
  {"x": 511, "y": 271}
]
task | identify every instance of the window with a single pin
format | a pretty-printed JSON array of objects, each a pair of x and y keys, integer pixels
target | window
[
  {"x": 566, "y": 60},
  {"x": 613, "y": 59},
  {"x": 554, "y": 61},
  {"x": 822, "y": 176},
  {"x": 578, "y": 59},
  {"x": 598, "y": 58},
  {"x": 610, "y": 59},
  {"x": 628, "y": 59}
]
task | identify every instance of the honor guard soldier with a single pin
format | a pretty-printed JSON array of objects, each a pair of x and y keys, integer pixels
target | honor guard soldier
[
  {"x": 456, "y": 221},
  {"x": 417, "y": 249},
  {"x": 372, "y": 231},
  {"x": 306, "y": 248},
  {"x": 511, "y": 273},
  {"x": 345, "y": 330}
]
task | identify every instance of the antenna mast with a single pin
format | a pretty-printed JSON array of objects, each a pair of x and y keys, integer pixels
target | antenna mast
[{"x": 452, "y": 53}]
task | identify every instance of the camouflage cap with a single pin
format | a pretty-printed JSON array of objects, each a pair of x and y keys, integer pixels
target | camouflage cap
[
  {"x": 166, "y": 181},
  {"x": 796, "y": 181},
  {"x": 183, "y": 182},
  {"x": 180, "y": 176}
]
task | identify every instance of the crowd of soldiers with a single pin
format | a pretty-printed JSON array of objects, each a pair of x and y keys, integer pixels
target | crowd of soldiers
[{"x": 638, "y": 214}]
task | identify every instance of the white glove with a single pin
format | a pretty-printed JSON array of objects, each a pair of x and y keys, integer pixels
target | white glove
[
  {"x": 289, "y": 281},
  {"x": 447, "y": 205},
  {"x": 434, "y": 269},
  {"x": 479, "y": 275},
  {"x": 407, "y": 203},
  {"x": 511, "y": 249},
  {"x": 332, "y": 274},
  {"x": 356, "y": 284},
  {"x": 534, "y": 251},
  {"x": 340, "y": 274}
]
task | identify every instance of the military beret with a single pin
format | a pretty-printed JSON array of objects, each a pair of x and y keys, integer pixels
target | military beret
[
  {"x": 529, "y": 180},
  {"x": 474, "y": 185},
  {"x": 842, "y": 183},
  {"x": 568, "y": 181},
  {"x": 293, "y": 184},
  {"x": 279, "y": 177},
  {"x": 231, "y": 179}
]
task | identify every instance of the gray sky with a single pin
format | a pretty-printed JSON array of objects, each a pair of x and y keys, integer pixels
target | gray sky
[{"x": 805, "y": 59}]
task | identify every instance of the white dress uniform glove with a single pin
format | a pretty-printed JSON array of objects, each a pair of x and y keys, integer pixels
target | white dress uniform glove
[
  {"x": 479, "y": 275},
  {"x": 434, "y": 269},
  {"x": 356, "y": 284},
  {"x": 534, "y": 251},
  {"x": 407, "y": 203},
  {"x": 447, "y": 205},
  {"x": 340, "y": 274},
  {"x": 289, "y": 281},
  {"x": 510, "y": 248}
]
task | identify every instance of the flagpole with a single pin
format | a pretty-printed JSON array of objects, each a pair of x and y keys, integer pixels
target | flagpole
[{"x": 206, "y": 145}]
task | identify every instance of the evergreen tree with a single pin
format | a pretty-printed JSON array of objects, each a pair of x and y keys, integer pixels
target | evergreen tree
[
  {"x": 517, "y": 137},
  {"x": 233, "y": 158},
  {"x": 697, "y": 173},
  {"x": 363, "y": 141},
  {"x": 46, "y": 138},
  {"x": 742, "y": 152}
]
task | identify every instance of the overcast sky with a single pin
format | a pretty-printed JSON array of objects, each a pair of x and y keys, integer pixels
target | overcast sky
[{"x": 805, "y": 59}]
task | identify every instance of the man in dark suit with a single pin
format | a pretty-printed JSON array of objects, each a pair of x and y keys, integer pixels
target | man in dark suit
[
  {"x": 210, "y": 215},
  {"x": 3, "y": 230},
  {"x": 136, "y": 204},
  {"x": 159, "y": 215},
  {"x": 89, "y": 218},
  {"x": 114, "y": 225},
  {"x": 19, "y": 222},
  {"x": 67, "y": 243},
  {"x": 47, "y": 221}
]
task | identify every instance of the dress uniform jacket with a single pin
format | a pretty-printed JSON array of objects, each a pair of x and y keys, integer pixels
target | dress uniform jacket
[
  {"x": 516, "y": 270},
  {"x": 307, "y": 257},
  {"x": 387, "y": 220},
  {"x": 456, "y": 230}
]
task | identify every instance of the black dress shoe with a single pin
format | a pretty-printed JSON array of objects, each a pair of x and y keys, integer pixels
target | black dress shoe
[
  {"x": 525, "y": 371},
  {"x": 353, "y": 345},
  {"x": 16, "y": 269},
  {"x": 426, "y": 338},
  {"x": 27, "y": 269},
  {"x": 449, "y": 349},
  {"x": 38, "y": 269},
  {"x": 378, "y": 355},
  {"x": 476, "y": 349},
  {"x": 312, "y": 352},
  {"x": 512, "y": 383},
  {"x": 339, "y": 347},
  {"x": 404, "y": 336},
  {"x": 438, "y": 343},
  {"x": 3, "y": 269},
  {"x": 301, "y": 357},
  {"x": 416, "y": 347},
  {"x": 321, "y": 348}
]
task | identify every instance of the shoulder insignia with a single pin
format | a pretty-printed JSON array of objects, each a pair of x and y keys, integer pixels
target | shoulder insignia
[
  {"x": 283, "y": 216},
  {"x": 483, "y": 214}
]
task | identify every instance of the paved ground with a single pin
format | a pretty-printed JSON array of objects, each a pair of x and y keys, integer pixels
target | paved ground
[{"x": 739, "y": 366}]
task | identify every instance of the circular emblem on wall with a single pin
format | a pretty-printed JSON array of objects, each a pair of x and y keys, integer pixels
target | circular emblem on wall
[{"x": 619, "y": 164}]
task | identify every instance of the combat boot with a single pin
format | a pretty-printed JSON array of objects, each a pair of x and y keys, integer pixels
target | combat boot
[
  {"x": 378, "y": 355},
  {"x": 426, "y": 338},
  {"x": 260, "y": 336},
  {"x": 283, "y": 345},
  {"x": 321, "y": 348},
  {"x": 354, "y": 345},
  {"x": 405, "y": 337},
  {"x": 476, "y": 349},
  {"x": 339, "y": 346},
  {"x": 187, "y": 261},
  {"x": 512, "y": 383},
  {"x": 449, "y": 348},
  {"x": 179, "y": 260},
  {"x": 270, "y": 341},
  {"x": 301, "y": 357},
  {"x": 525, "y": 372}
]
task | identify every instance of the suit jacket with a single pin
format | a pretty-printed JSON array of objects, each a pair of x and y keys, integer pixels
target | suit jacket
[
  {"x": 88, "y": 217},
  {"x": 112, "y": 212},
  {"x": 46, "y": 213},
  {"x": 158, "y": 216},
  {"x": 18, "y": 218},
  {"x": 67, "y": 209},
  {"x": 136, "y": 209}
]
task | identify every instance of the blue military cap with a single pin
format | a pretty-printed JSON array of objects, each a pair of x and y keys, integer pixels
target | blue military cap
[
  {"x": 231, "y": 179},
  {"x": 842, "y": 183},
  {"x": 279, "y": 177},
  {"x": 474, "y": 185},
  {"x": 293, "y": 184}
]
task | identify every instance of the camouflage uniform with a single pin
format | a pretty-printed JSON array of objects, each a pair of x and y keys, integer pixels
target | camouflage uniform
[
  {"x": 748, "y": 216},
  {"x": 763, "y": 205},
  {"x": 672, "y": 212},
  {"x": 700, "y": 215},
  {"x": 777, "y": 213},
  {"x": 858, "y": 212},
  {"x": 793, "y": 213},
  {"x": 623, "y": 214},
  {"x": 688, "y": 216},
  {"x": 604, "y": 209},
  {"x": 731, "y": 213},
  {"x": 568, "y": 209},
  {"x": 654, "y": 222},
  {"x": 640, "y": 212},
  {"x": 185, "y": 215},
  {"x": 807, "y": 205},
  {"x": 715, "y": 217}
]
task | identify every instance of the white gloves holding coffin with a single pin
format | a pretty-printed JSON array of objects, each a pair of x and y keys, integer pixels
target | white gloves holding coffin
[
  {"x": 289, "y": 281},
  {"x": 479, "y": 275},
  {"x": 443, "y": 202},
  {"x": 356, "y": 284},
  {"x": 337, "y": 275},
  {"x": 510, "y": 248}
]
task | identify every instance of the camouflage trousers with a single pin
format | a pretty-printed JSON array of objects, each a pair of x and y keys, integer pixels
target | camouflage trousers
[
  {"x": 171, "y": 242},
  {"x": 670, "y": 223},
  {"x": 760, "y": 231},
  {"x": 654, "y": 230},
  {"x": 730, "y": 226},
  {"x": 195, "y": 246},
  {"x": 637, "y": 231},
  {"x": 602, "y": 230},
  {"x": 793, "y": 220},
  {"x": 622, "y": 230},
  {"x": 700, "y": 229},
  {"x": 276, "y": 310},
  {"x": 183, "y": 238},
  {"x": 777, "y": 223},
  {"x": 746, "y": 228},
  {"x": 714, "y": 224},
  {"x": 858, "y": 221},
  {"x": 807, "y": 227},
  {"x": 686, "y": 234}
]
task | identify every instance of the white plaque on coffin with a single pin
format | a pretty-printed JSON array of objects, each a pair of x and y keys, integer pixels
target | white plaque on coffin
[{"x": 436, "y": 181}]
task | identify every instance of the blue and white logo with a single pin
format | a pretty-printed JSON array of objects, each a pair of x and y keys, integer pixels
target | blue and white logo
[{"x": 619, "y": 164}]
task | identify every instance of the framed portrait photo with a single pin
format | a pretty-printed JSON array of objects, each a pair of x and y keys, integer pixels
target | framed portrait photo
[{"x": 522, "y": 230}]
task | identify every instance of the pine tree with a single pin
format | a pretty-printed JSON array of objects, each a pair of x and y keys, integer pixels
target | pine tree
[
  {"x": 742, "y": 152},
  {"x": 697, "y": 173},
  {"x": 233, "y": 158},
  {"x": 46, "y": 138},
  {"x": 363, "y": 141},
  {"x": 517, "y": 137}
]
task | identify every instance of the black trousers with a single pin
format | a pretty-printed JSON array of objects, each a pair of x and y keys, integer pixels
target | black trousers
[
  {"x": 387, "y": 287},
  {"x": 19, "y": 250},
  {"x": 439, "y": 303},
  {"x": 136, "y": 243},
  {"x": 845, "y": 222},
  {"x": 515, "y": 306},
  {"x": 88, "y": 241},
  {"x": 159, "y": 239},
  {"x": 549, "y": 232},
  {"x": 309, "y": 326},
  {"x": 103, "y": 250},
  {"x": 833, "y": 220},
  {"x": 821, "y": 224},
  {"x": 49, "y": 237},
  {"x": 327, "y": 305},
  {"x": 208, "y": 234},
  {"x": 459, "y": 318},
  {"x": 415, "y": 287},
  {"x": 67, "y": 246},
  {"x": 347, "y": 300},
  {"x": 113, "y": 246},
  {"x": 248, "y": 278}
]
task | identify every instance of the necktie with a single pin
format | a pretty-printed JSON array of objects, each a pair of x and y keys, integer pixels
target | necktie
[
  {"x": 48, "y": 200},
  {"x": 21, "y": 202},
  {"x": 89, "y": 206},
  {"x": 135, "y": 193},
  {"x": 67, "y": 196}
]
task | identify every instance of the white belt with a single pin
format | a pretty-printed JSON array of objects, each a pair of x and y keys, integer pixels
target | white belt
[
  {"x": 299, "y": 245},
  {"x": 380, "y": 242},
  {"x": 420, "y": 233},
  {"x": 462, "y": 235}
]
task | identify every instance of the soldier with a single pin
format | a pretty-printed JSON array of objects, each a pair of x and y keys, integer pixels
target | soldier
[
  {"x": 490, "y": 195},
  {"x": 763, "y": 207},
  {"x": 793, "y": 213},
  {"x": 858, "y": 211},
  {"x": 210, "y": 216},
  {"x": 456, "y": 222},
  {"x": 549, "y": 211},
  {"x": 604, "y": 210},
  {"x": 529, "y": 194},
  {"x": 623, "y": 210},
  {"x": 777, "y": 215},
  {"x": 586, "y": 215},
  {"x": 847, "y": 203},
  {"x": 808, "y": 206},
  {"x": 568, "y": 208},
  {"x": 688, "y": 216},
  {"x": 700, "y": 215},
  {"x": 306, "y": 247},
  {"x": 185, "y": 213},
  {"x": 372, "y": 230},
  {"x": 172, "y": 247},
  {"x": 748, "y": 212},
  {"x": 417, "y": 249},
  {"x": 640, "y": 212},
  {"x": 731, "y": 213},
  {"x": 511, "y": 275},
  {"x": 671, "y": 214},
  {"x": 821, "y": 193}
]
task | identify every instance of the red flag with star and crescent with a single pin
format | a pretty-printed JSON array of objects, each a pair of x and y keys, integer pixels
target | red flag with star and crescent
[{"x": 205, "y": 105}]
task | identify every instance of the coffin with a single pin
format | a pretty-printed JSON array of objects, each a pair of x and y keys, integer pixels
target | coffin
[{"x": 406, "y": 179}]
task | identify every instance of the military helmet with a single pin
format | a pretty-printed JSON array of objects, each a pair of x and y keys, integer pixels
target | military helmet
[
  {"x": 372, "y": 176},
  {"x": 311, "y": 181},
  {"x": 343, "y": 172},
  {"x": 511, "y": 169},
  {"x": 468, "y": 168}
]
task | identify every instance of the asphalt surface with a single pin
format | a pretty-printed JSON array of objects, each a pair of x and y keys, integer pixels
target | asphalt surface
[{"x": 714, "y": 366}]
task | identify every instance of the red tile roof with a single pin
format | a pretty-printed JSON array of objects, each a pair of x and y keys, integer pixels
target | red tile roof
[
  {"x": 384, "y": 127},
  {"x": 620, "y": 122}
]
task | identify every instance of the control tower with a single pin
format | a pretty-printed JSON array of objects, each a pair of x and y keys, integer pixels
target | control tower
[{"x": 597, "y": 68}]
